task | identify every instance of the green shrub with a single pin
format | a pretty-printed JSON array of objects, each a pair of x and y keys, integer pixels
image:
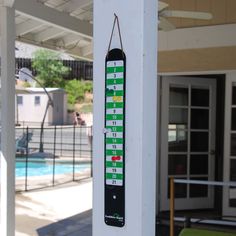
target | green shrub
[
  {"x": 76, "y": 90},
  {"x": 88, "y": 86}
]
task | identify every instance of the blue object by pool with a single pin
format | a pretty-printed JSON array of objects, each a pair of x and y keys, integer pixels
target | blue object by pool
[{"x": 44, "y": 168}]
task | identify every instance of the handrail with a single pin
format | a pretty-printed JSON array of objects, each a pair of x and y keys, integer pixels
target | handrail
[{"x": 205, "y": 182}]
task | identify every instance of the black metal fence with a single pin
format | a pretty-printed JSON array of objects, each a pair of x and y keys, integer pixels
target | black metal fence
[
  {"x": 66, "y": 156},
  {"x": 78, "y": 69}
]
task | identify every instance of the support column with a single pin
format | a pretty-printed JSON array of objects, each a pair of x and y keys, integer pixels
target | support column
[
  {"x": 138, "y": 24},
  {"x": 7, "y": 22}
]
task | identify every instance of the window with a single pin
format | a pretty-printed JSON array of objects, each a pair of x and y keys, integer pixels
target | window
[
  {"x": 19, "y": 100},
  {"x": 37, "y": 100}
]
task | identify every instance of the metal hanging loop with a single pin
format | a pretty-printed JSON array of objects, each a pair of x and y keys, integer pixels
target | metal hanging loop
[{"x": 116, "y": 20}]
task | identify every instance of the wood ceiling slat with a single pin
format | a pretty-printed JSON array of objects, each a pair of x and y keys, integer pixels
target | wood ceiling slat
[
  {"x": 203, "y": 6},
  {"x": 187, "y": 5},
  {"x": 175, "y": 5},
  {"x": 219, "y": 12},
  {"x": 231, "y": 11}
]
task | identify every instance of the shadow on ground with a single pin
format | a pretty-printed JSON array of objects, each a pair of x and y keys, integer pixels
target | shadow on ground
[{"x": 80, "y": 224}]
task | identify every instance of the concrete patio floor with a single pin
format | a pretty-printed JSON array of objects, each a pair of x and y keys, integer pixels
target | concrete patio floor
[
  {"x": 59, "y": 211},
  {"x": 65, "y": 210}
]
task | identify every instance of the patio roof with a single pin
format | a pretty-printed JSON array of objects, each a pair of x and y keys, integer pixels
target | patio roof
[
  {"x": 56, "y": 24},
  {"x": 67, "y": 25}
]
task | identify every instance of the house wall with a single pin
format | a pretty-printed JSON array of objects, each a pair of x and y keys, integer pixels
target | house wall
[
  {"x": 210, "y": 48},
  {"x": 201, "y": 52},
  {"x": 202, "y": 59},
  {"x": 223, "y": 11}
]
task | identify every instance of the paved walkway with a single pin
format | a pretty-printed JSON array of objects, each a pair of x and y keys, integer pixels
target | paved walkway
[{"x": 58, "y": 211}]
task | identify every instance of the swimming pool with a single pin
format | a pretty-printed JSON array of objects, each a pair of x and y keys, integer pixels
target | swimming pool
[{"x": 39, "y": 168}]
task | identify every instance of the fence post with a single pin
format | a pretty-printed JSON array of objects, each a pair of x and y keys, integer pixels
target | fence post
[
  {"x": 172, "y": 206},
  {"x": 23, "y": 128},
  {"x": 91, "y": 150},
  {"x": 26, "y": 159},
  {"x": 80, "y": 141},
  {"x": 61, "y": 140},
  {"x": 74, "y": 152},
  {"x": 54, "y": 154}
]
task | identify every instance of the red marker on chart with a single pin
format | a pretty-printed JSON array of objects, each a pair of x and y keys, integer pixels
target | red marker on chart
[{"x": 116, "y": 158}]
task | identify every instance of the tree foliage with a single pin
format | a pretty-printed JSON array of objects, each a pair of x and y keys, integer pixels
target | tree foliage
[
  {"x": 76, "y": 90},
  {"x": 50, "y": 69}
]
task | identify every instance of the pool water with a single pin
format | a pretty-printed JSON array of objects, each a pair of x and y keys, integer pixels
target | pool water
[{"x": 44, "y": 168}]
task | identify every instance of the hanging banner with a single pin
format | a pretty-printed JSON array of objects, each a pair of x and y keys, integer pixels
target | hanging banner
[{"x": 115, "y": 138}]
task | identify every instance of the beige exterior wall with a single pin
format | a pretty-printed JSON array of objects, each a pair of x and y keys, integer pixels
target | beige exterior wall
[
  {"x": 205, "y": 59},
  {"x": 223, "y": 11}
]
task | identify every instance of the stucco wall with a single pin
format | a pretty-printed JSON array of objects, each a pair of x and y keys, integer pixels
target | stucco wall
[{"x": 203, "y": 59}]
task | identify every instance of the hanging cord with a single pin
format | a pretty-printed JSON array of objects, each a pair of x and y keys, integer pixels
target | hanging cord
[{"x": 118, "y": 26}]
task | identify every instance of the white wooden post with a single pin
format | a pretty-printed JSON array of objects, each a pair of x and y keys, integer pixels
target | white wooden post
[
  {"x": 8, "y": 121},
  {"x": 138, "y": 23}
]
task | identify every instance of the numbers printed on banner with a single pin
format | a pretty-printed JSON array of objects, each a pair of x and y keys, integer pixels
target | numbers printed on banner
[
  {"x": 114, "y": 138},
  {"x": 114, "y": 120}
]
